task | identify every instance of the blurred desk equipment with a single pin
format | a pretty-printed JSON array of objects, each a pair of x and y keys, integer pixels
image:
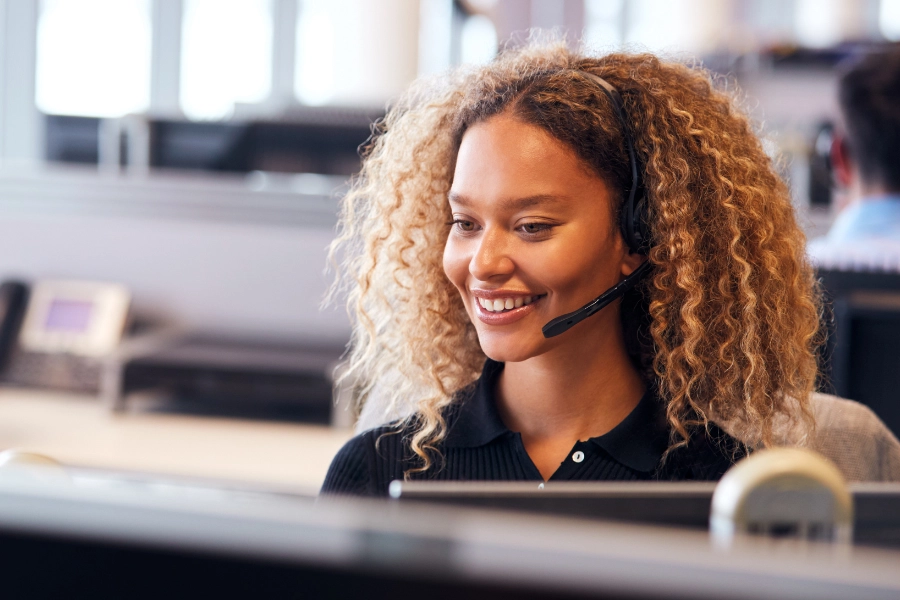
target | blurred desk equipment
[
  {"x": 861, "y": 358},
  {"x": 323, "y": 140},
  {"x": 821, "y": 171},
  {"x": 216, "y": 375},
  {"x": 785, "y": 494},
  {"x": 68, "y": 328},
  {"x": 13, "y": 301},
  {"x": 673, "y": 504},
  {"x": 70, "y": 335}
]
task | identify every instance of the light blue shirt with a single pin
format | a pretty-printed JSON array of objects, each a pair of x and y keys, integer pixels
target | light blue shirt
[
  {"x": 864, "y": 237},
  {"x": 866, "y": 220}
]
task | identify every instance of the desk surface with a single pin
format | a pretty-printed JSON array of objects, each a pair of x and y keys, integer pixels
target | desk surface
[{"x": 79, "y": 431}]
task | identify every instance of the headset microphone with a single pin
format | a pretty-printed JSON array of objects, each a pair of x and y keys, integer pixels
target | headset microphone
[
  {"x": 633, "y": 224},
  {"x": 564, "y": 323}
]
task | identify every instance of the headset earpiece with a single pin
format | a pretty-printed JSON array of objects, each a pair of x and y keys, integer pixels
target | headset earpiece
[{"x": 633, "y": 224}]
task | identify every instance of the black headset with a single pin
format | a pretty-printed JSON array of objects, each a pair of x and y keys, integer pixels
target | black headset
[{"x": 632, "y": 222}]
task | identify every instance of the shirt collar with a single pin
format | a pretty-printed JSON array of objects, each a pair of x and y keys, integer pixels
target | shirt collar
[
  {"x": 474, "y": 420},
  {"x": 638, "y": 442},
  {"x": 642, "y": 437}
]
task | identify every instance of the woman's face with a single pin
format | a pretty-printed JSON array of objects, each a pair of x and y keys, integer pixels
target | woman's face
[{"x": 533, "y": 238}]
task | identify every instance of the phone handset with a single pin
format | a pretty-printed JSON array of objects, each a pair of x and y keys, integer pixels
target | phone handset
[{"x": 13, "y": 302}]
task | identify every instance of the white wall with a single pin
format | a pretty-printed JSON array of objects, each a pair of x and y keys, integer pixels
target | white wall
[{"x": 253, "y": 264}]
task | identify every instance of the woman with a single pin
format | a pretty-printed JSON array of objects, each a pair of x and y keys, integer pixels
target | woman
[{"x": 492, "y": 204}]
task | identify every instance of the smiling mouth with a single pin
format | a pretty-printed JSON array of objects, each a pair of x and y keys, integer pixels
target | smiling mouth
[{"x": 501, "y": 305}]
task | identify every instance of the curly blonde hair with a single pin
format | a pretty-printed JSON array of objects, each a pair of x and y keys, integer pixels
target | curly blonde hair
[{"x": 730, "y": 311}]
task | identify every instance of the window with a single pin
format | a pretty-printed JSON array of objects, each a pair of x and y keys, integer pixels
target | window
[
  {"x": 226, "y": 55},
  {"x": 355, "y": 52},
  {"x": 662, "y": 25},
  {"x": 93, "y": 57},
  {"x": 316, "y": 48},
  {"x": 818, "y": 23},
  {"x": 478, "y": 43},
  {"x": 603, "y": 23},
  {"x": 889, "y": 19}
]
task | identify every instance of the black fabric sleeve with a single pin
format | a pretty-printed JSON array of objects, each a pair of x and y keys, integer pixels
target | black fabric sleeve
[
  {"x": 708, "y": 455},
  {"x": 349, "y": 473}
]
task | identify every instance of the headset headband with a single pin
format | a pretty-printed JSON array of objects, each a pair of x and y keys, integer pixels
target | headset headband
[
  {"x": 634, "y": 227},
  {"x": 633, "y": 224}
]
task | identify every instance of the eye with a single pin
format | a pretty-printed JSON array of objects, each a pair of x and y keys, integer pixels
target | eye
[
  {"x": 535, "y": 229},
  {"x": 464, "y": 226}
]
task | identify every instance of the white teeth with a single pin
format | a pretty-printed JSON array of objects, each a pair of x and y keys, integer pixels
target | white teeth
[{"x": 505, "y": 303}]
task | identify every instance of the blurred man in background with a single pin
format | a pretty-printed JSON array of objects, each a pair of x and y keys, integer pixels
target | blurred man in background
[{"x": 866, "y": 161}]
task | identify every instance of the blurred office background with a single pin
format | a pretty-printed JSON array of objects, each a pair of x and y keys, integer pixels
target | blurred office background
[
  {"x": 194, "y": 151},
  {"x": 205, "y": 141},
  {"x": 210, "y": 104}
]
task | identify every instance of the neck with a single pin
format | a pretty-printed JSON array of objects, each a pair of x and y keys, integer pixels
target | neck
[
  {"x": 581, "y": 389},
  {"x": 873, "y": 190},
  {"x": 859, "y": 190}
]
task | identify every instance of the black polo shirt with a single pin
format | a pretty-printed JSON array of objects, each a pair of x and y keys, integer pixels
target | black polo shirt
[{"x": 479, "y": 447}]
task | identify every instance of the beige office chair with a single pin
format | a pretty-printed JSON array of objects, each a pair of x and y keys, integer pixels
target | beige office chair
[
  {"x": 847, "y": 433},
  {"x": 854, "y": 438}
]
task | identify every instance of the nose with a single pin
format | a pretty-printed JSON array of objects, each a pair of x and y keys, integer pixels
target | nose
[{"x": 492, "y": 257}]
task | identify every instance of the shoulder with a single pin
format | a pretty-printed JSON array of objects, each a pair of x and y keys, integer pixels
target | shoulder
[
  {"x": 368, "y": 462},
  {"x": 348, "y": 472}
]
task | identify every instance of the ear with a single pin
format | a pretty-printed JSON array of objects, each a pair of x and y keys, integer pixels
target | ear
[
  {"x": 631, "y": 261},
  {"x": 841, "y": 163}
]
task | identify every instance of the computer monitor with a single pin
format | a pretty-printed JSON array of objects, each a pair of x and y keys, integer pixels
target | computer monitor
[
  {"x": 60, "y": 540},
  {"x": 861, "y": 357},
  {"x": 675, "y": 504}
]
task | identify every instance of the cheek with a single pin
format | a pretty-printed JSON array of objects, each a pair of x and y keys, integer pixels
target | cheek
[
  {"x": 456, "y": 264},
  {"x": 582, "y": 266}
]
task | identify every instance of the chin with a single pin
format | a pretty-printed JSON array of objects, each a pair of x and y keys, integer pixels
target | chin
[{"x": 507, "y": 348}]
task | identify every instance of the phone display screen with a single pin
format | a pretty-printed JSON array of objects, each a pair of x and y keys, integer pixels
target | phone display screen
[{"x": 69, "y": 315}]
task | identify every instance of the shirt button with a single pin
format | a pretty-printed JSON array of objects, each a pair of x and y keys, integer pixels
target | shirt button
[{"x": 578, "y": 456}]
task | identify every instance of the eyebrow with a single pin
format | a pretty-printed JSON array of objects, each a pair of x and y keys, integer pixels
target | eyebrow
[{"x": 511, "y": 203}]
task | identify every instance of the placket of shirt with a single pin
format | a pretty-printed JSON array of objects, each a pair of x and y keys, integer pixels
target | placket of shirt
[
  {"x": 579, "y": 457},
  {"x": 528, "y": 466}
]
